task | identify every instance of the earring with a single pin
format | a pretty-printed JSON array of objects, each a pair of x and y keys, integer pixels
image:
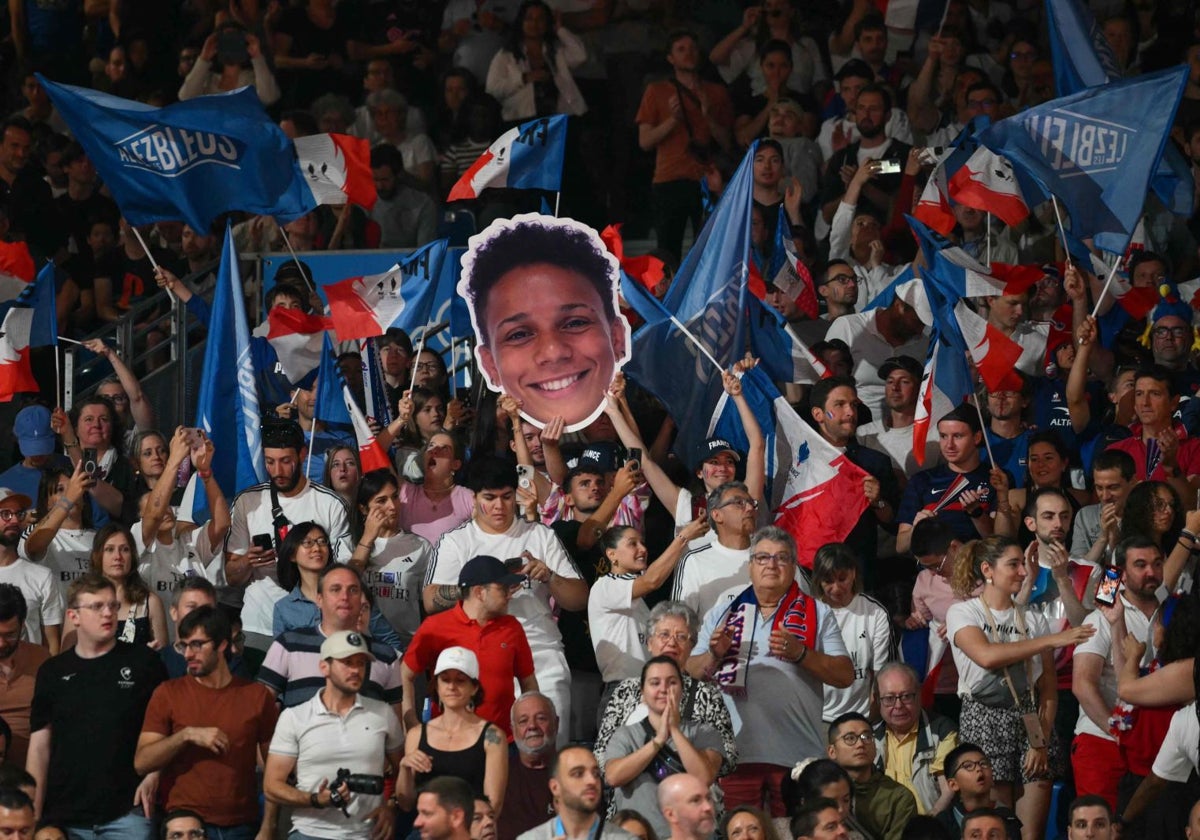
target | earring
[{"x": 987, "y": 581}]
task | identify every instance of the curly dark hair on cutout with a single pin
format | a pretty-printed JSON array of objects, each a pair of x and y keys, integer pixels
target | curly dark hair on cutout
[{"x": 532, "y": 242}]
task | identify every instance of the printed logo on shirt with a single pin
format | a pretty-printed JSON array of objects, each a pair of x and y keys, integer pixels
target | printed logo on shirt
[{"x": 126, "y": 680}]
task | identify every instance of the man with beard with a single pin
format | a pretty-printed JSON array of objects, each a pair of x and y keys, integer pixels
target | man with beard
[
  {"x": 834, "y": 409},
  {"x": 873, "y": 109},
  {"x": 335, "y": 727},
  {"x": 1171, "y": 338},
  {"x": 262, "y": 516},
  {"x": 1098, "y": 762},
  {"x": 873, "y": 338},
  {"x": 577, "y": 789},
  {"x": 406, "y": 217},
  {"x": 43, "y": 599},
  {"x": 20, "y": 661},
  {"x": 892, "y": 432},
  {"x": 839, "y": 287},
  {"x": 527, "y": 797},
  {"x": 687, "y": 806},
  {"x": 203, "y": 731},
  {"x": 1007, "y": 434}
]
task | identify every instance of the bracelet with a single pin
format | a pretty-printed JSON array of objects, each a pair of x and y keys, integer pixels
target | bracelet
[
  {"x": 803, "y": 654},
  {"x": 64, "y": 504},
  {"x": 205, "y": 475},
  {"x": 1186, "y": 533},
  {"x": 315, "y": 801},
  {"x": 367, "y": 546},
  {"x": 71, "y": 445}
]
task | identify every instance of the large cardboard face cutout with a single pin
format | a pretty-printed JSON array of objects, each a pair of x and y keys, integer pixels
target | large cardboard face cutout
[{"x": 543, "y": 298}]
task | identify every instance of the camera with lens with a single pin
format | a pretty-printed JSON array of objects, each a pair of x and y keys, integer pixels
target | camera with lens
[{"x": 357, "y": 783}]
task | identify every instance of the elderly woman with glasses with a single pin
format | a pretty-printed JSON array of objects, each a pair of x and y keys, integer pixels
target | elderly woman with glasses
[
  {"x": 772, "y": 648},
  {"x": 671, "y": 631}
]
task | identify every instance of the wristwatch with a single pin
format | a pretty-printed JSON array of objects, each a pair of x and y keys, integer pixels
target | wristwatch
[{"x": 314, "y": 800}]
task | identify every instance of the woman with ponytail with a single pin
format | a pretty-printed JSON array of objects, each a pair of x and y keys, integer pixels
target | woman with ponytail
[{"x": 1006, "y": 677}]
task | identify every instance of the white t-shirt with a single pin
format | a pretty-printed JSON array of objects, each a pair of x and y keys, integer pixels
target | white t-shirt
[
  {"x": 705, "y": 573},
  {"x": 165, "y": 567},
  {"x": 618, "y": 626},
  {"x": 258, "y": 606},
  {"x": 972, "y": 676},
  {"x": 531, "y": 604},
  {"x": 68, "y": 556},
  {"x": 1178, "y": 758},
  {"x": 42, "y": 596},
  {"x": 394, "y": 575},
  {"x": 897, "y": 444},
  {"x": 1100, "y": 644},
  {"x": 251, "y": 515},
  {"x": 867, "y": 635},
  {"x": 897, "y": 128},
  {"x": 870, "y": 350},
  {"x": 778, "y": 717}
]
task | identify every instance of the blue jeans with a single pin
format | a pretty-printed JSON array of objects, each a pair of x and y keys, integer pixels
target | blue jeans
[
  {"x": 246, "y": 831},
  {"x": 132, "y": 826}
]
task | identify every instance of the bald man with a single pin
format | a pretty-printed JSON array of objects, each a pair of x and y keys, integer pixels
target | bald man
[{"x": 687, "y": 806}]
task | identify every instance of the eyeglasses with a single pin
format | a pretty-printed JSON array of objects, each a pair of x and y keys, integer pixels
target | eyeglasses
[
  {"x": 890, "y": 700},
  {"x": 1163, "y": 505},
  {"x": 429, "y": 367},
  {"x": 762, "y": 558},
  {"x": 842, "y": 278},
  {"x": 7, "y": 515},
  {"x": 972, "y": 766},
  {"x": 667, "y": 636},
  {"x": 1173, "y": 332},
  {"x": 190, "y": 834},
  {"x": 119, "y": 398},
  {"x": 194, "y": 647},
  {"x": 852, "y": 738},
  {"x": 739, "y": 502},
  {"x": 312, "y": 542},
  {"x": 99, "y": 606}
]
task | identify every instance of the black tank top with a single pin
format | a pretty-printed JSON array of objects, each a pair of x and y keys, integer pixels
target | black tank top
[{"x": 468, "y": 764}]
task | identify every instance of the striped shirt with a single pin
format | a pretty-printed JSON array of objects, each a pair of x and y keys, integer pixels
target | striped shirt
[{"x": 292, "y": 669}]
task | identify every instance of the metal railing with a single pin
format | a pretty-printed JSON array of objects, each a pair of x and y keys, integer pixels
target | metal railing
[{"x": 155, "y": 339}]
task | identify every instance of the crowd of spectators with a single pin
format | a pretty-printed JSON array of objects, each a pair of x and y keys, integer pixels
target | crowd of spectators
[{"x": 613, "y": 641}]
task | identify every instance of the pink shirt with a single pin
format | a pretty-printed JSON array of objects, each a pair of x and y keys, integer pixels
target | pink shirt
[
  {"x": 931, "y": 597},
  {"x": 420, "y": 516}
]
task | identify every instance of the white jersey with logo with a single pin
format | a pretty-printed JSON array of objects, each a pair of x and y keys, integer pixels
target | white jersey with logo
[
  {"x": 705, "y": 573},
  {"x": 251, "y": 516},
  {"x": 68, "y": 556},
  {"x": 395, "y": 575}
]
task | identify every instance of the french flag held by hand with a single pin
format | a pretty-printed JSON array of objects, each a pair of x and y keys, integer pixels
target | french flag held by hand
[
  {"x": 370, "y": 453},
  {"x": 364, "y": 307},
  {"x": 986, "y": 182},
  {"x": 528, "y": 157},
  {"x": 995, "y": 355},
  {"x": 296, "y": 337},
  {"x": 337, "y": 169}
]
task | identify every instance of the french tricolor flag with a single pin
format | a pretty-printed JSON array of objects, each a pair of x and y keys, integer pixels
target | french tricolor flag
[
  {"x": 986, "y": 182},
  {"x": 337, "y": 169},
  {"x": 296, "y": 337},
  {"x": 528, "y": 157},
  {"x": 364, "y": 307},
  {"x": 995, "y": 355}
]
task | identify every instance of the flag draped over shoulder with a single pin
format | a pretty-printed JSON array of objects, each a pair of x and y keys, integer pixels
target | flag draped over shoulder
[
  {"x": 227, "y": 409},
  {"x": 528, "y": 157},
  {"x": 1096, "y": 150},
  {"x": 193, "y": 160},
  {"x": 708, "y": 296}
]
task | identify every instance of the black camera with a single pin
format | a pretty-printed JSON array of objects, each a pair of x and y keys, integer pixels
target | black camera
[{"x": 357, "y": 783}]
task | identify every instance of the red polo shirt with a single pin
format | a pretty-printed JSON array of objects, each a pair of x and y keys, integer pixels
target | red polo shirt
[{"x": 500, "y": 646}]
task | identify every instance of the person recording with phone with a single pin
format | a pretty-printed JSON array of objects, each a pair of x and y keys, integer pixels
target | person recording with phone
[
  {"x": 91, "y": 436},
  {"x": 231, "y": 58},
  {"x": 1096, "y": 758},
  {"x": 262, "y": 516},
  {"x": 495, "y": 530}
]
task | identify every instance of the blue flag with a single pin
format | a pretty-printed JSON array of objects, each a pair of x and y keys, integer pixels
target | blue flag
[
  {"x": 1096, "y": 150},
  {"x": 227, "y": 409},
  {"x": 193, "y": 160},
  {"x": 1083, "y": 59},
  {"x": 708, "y": 295},
  {"x": 43, "y": 329},
  {"x": 331, "y": 404}
]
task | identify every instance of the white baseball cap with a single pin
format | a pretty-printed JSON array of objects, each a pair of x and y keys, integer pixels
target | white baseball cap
[{"x": 458, "y": 659}]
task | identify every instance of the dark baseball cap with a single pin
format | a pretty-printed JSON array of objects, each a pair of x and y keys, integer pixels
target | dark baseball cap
[
  {"x": 905, "y": 363},
  {"x": 484, "y": 570},
  {"x": 714, "y": 446}
]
